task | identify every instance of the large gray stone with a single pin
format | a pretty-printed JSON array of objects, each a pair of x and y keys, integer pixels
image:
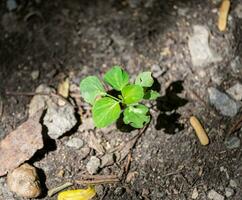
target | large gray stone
[
  {"x": 223, "y": 103},
  {"x": 59, "y": 119},
  {"x": 201, "y": 53}
]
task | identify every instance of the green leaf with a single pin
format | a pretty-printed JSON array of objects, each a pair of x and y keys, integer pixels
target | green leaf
[
  {"x": 132, "y": 94},
  {"x": 151, "y": 95},
  {"x": 136, "y": 115},
  {"x": 105, "y": 111},
  {"x": 144, "y": 79},
  {"x": 91, "y": 88},
  {"x": 117, "y": 78}
]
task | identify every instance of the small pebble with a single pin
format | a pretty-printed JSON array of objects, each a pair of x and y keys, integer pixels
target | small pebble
[
  {"x": 75, "y": 143},
  {"x": 93, "y": 165},
  {"x": 11, "y": 5},
  {"x": 24, "y": 181},
  {"x": 213, "y": 195},
  {"x": 194, "y": 193},
  {"x": 119, "y": 191},
  {"x": 232, "y": 183},
  {"x": 35, "y": 74},
  {"x": 235, "y": 91},
  {"x": 232, "y": 142},
  {"x": 229, "y": 192},
  {"x": 222, "y": 102}
]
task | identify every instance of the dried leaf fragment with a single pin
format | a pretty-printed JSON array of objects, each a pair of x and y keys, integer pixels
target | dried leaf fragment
[
  {"x": 80, "y": 194},
  {"x": 223, "y": 15},
  {"x": 21, "y": 144},
  {"x": 63, "y": 88},
  {"x": 199, "y": 130}
]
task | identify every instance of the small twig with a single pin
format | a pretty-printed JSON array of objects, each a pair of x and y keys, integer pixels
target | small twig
[
  {"x": 98, "y": 177},
  {"x": 12, "y": 93},
  {"x": 236, "y": 126},
  {"x": 55, "y": 190},
  {"x": 98, "y": 181}
]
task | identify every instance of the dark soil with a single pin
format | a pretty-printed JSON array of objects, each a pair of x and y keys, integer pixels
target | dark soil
[{"x": 80, "y": 38}]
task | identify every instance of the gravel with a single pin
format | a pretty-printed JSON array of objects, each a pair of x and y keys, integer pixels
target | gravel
[
  {"x": 213, "y": 195},
  {"x": 93, "y": 165},
  {"x": 232, "y": 142},
  {"x": 235, "y": 91},
  {"x": 223, "y": 103},
  {"x": 201, "y": 53},
  {"x": 75, "y": 143}
]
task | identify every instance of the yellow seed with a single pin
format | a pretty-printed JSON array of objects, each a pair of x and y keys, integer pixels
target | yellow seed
[
  {"x": 200, "y": 132},
  {"x": 80, "y": 194},
  {"x": 223, "y": 15}
]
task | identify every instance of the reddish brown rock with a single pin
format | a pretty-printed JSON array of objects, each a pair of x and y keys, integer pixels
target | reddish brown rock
[{"x": 21, "y": 144}]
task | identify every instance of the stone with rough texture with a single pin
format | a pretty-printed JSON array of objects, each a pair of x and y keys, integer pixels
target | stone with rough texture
[
  {"x": 235, "y": 91},
  {"x": 233, "y": 183},
  {"x": 21, "y": 144},
  {"x": 232, "y": 142},
  {"x": 93, "y": 165},
  {"x": 238, "y": 10},
  {"x": 229, "y": 192},
  {"x": 59, "y": 120},
  {"x": 40, "y": 101},
  {"x": 75, "y": 143},
  {"x": 24, "y": 181},
  {"x": 213, "y": 195},
  {"x": 223, "y": 103},
  {"x": 201, "y": 53}
]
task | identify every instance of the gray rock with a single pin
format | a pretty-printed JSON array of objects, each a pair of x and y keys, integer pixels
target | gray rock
[
  {"x": 233, "y": 183},
  {"x": 11, "y": 5},
  {"x": 232, "y": 142},
  {"x": 93, "y": 165},
  {"x": 212, "y": 194},
  {"x": 59, "y": 120},
  {"x": 107, "y": 160},
  {"x": 229, "y": 192},
  {"x": 238, "y": 10},
  {"x": 40, "y": 101},
  {"x": 75, "y": 143},
  {"x": 235, "y": 91},
  {"x": 201, "y": 53},
  {"x": 119, "y": 191},
  {"x": 223, "y": 103}
]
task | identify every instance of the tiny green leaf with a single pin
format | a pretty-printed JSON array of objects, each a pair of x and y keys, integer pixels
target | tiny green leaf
[
  {"x": 105, "y": 111},
  {"x": 136, "y": 115},
  {"x": 132, "y": 94},
  {"x": 151, "y": 95},
  {"x": 144, "y": 79},
  {"x": 117, "y": 78},
  {"x": 90, "y": 88}
]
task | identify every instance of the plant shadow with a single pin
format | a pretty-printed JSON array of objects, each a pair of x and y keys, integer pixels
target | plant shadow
[{"x": 168, "y": 104}]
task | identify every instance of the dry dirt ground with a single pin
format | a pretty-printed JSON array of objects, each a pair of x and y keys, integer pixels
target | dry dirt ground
[{"x": 80, "y": 38}]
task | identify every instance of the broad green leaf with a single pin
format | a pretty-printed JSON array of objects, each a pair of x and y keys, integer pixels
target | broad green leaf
[
  {"x": 117, "y": 78},
  {"x": 105, "y": 111},
  {"x": 136, "y": 115},
  {"x": 132, "y": 94},
  {"x": 144, "y": 79},
  {"x": 91, "y": 88},
  {"x": 151, "y": 95}
]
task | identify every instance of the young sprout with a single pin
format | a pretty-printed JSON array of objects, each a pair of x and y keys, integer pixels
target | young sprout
[{"x": 107, "y": 108}]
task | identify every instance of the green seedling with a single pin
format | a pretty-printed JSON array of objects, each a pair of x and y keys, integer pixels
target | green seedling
[{"x": 106, "y": 108}]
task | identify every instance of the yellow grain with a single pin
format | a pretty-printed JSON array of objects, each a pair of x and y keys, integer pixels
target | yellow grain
[
  {"x": 223, "y": 15},
  {"x": 200, "y": 132}
]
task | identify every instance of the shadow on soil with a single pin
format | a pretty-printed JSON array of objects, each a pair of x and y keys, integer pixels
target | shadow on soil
[{"x": 168, "y": 104}]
